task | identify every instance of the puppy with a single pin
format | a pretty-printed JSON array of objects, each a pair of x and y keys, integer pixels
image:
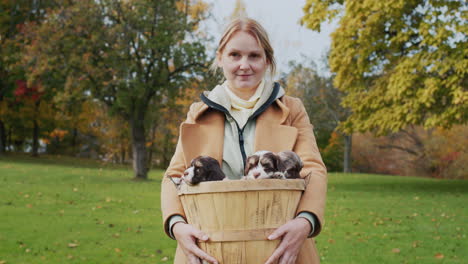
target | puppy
[
  {"x": 202, "y": 169},
  {"x": 264, "y": 165},
  {"x": 292, "y": 164}
]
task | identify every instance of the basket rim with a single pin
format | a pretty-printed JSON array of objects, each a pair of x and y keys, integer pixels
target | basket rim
[{"x": 242, "y": 186}]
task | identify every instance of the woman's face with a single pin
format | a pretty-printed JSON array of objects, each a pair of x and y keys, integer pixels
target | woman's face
[{"x": 244, "y": 62}]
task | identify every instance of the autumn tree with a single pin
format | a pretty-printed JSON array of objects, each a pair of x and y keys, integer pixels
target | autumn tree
[
  {"x": 13, "y": 16},
  {"x": 398, "y": 62},
  {"x": 131, "y": 55}
]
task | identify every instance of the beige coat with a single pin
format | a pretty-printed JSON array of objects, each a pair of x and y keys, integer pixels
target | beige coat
[{"x": 283, "y": 126}]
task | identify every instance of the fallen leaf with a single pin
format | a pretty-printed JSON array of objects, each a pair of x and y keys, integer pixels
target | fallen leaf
[
  {"x": 439, "y": 256},
  {"x": 75, "y": 189},
  {"x": 396, "y": 250},
  {"x": 116, "y": 235},
  {"x": 164, "y": 259},
  {"x": 108, "y": 199},
  {"x": 29, "y": 205},
  {"x": 117, "y": 250},
  {"x": 28, "y": 250},
  {"x": 331, "y": 241},
  {"x": 3, "y": 262},
  {"x": 72, "y": 245},
  {"x": 416, "y": 198}
]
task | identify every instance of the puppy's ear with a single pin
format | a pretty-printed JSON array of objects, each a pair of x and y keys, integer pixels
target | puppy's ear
[
  {"x": 279, "y": 163},
  {"x": 251, "y": 162}
]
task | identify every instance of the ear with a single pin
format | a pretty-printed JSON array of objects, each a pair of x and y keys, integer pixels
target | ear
[{"x": 281, "y": 166}]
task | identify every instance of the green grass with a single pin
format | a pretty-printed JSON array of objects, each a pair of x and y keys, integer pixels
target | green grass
[{"x": 62, "y": 210}]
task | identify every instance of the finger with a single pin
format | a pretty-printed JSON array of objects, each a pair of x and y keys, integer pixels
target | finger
[
  {"x": 192, "y": 259},
  {"x": 286, "y": 258},
  {"x": 200, "y": 235},
  {"x": 279, "y": 232},
  {"x": 203, "y": 255},
  {"x": 276, "y": 255},
  {"x": 293, "y": 260}
]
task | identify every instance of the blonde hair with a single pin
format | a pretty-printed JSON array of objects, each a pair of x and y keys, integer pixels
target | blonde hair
[{"x": 253, "y": 28}]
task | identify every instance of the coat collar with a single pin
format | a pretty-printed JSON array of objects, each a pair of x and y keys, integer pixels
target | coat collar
[{"x": 206, "y": 135}]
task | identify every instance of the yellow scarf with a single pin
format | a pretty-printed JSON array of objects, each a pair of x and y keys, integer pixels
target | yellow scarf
[{"x": 241, "y": 109}]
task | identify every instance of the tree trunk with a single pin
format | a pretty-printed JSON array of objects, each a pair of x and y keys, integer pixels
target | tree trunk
[
  {"x": 2, "y": 138},
  {"x": 140, "y": 162},
  {"x": 35, "y": 143},
  {"x": 347, "y": 153},
  {"x": 74, "y": 141}
]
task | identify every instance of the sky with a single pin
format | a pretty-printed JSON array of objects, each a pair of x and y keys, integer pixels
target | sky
[{"x": 280, "y": 18}]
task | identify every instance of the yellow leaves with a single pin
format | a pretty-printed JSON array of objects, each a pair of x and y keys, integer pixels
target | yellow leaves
[
  {"x": 180, "y": 5},
  {"x": 396, "y": 250},
  {"x": 58, "y": 134},
  {"x": 196, "y": 9},
  {"x": 439, "y": 256}
]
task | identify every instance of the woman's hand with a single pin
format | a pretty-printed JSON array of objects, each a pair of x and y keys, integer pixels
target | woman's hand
[
  {"x": 187, "y": 235},
  {"x": 293, "y": 234}
]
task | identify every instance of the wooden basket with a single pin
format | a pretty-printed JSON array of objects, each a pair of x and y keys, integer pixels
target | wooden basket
[{"x": 238, "y": 216}]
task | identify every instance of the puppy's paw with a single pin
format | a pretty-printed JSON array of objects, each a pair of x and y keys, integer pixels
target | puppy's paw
[{"x": 278, "y": 175}]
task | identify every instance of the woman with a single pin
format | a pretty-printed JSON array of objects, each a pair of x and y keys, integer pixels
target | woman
[{"x": 245, "y": 114}]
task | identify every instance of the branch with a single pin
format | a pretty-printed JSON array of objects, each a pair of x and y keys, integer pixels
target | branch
[
  {"x": 184, "y": 68},
  {"x": 407, "y": 150}
]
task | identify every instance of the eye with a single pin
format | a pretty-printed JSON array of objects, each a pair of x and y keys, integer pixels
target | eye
[
  {"x": 234, "y": 54},
  {"x": 254, "y": 55}
]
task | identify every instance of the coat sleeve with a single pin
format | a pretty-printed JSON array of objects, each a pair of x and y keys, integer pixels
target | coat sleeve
[
  {"x": 314, "y": 170},
  {"x": 170, "y": 201}
]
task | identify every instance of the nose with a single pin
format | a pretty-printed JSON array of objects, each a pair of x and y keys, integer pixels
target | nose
[
  {"x": 244, "y": 64},
  {"x": 185, "y": 173},
  {"x": 256, "y": 174}
]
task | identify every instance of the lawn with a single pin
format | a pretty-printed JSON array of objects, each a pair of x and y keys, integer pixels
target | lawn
[{"x": 62, "y": 210}]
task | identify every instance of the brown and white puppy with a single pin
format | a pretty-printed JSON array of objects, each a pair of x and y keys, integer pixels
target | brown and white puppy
[
  {"x": 292, "y": 164},
  {"x": 264, "y": 165},
  {"x": 202, "y": 169}
]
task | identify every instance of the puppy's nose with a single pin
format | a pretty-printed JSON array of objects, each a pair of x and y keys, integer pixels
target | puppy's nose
[
  {"x": 185, "y": 173},
  {"x": 256, "y": 174}
]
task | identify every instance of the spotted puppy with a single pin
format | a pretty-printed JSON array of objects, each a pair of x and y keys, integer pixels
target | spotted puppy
[
  {"x": 264, "y": 165},
  {"x": 202, "y": 169}
]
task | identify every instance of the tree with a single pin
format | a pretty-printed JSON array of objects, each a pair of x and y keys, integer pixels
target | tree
[
  {"x": 13, "y": 16},
  {"x": 239, "y": 10},
  {"x": 127, "y": 54},
  {"x": 398, "y": 62},
  {"x": 322, "y": 102}
]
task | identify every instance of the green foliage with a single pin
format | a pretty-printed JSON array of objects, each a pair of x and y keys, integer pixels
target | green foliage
[
  {"x": 332, "y": 154},
  {"x": 322, "y": 103},
  {"x": 399, "y": 62},
  {"x": 62, "y": 210}
]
